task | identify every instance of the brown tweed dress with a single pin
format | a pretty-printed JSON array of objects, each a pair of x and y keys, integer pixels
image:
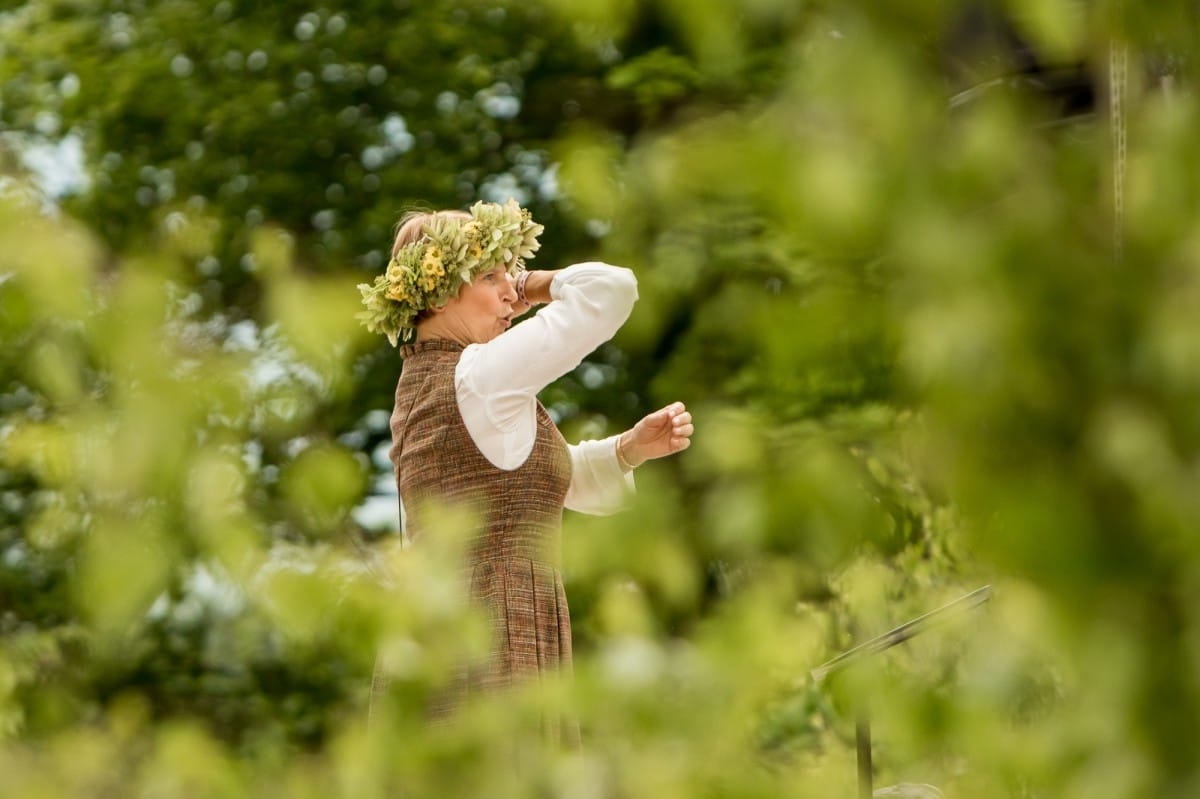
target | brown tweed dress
[{"x": 514, "y": 555}]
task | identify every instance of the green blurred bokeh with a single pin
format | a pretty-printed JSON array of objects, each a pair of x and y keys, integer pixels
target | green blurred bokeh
[{"x": 880, "y": 255}]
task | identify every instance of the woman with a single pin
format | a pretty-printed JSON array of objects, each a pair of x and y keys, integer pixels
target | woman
[{"x": 467, "y": 427}]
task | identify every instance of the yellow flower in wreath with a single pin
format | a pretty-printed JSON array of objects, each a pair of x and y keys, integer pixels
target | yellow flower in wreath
[
  {"x": 431, "y": 268},
  {"x": 431, "y": 261},
  {"x": 474, "y": 248},
  {"x": 398, "y": 292}
]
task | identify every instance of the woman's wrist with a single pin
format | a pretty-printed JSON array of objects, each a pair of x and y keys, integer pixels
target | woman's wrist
[
  {"x": 520, "y": 288},
  {"x": 533, "y": 287},
  {"x": 625, "y": 459}
]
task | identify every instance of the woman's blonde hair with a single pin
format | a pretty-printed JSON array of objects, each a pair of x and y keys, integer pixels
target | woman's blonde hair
[{"x": 411, "y": 227}]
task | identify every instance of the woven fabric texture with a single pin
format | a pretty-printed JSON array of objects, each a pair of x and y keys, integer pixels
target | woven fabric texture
[{"x": 514, "y": 554}]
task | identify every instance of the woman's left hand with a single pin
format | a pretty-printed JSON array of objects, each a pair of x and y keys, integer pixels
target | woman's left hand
[{"x": 659, "y": 434}]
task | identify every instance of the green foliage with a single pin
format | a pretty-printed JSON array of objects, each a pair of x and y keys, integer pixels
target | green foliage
[
  {"x": 915, "y": 361},
  {"x": 325, "y": 122}
]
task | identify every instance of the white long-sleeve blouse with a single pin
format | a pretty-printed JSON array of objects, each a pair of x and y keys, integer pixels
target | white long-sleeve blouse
[{"x": 496, "y": 383}]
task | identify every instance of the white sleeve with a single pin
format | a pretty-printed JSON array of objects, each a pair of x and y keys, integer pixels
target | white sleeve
[
  {"x": 599, "y": 485},
  {"x": 496, "y": 383}
]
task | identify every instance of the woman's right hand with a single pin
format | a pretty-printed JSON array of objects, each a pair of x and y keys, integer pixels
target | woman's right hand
[{"x": 657, "y": 435}]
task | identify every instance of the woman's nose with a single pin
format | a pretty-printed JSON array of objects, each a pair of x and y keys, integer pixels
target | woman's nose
[{"x": 510, "y": 287}]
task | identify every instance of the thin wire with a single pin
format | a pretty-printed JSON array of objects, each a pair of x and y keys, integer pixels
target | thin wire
[{"x": 899, "y": 635}]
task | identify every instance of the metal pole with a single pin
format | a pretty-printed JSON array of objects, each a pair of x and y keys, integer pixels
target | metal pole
[{"x": 862, "y": 740}]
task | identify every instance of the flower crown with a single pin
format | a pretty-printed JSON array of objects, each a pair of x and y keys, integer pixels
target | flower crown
[{"x": 451, "y": 252}]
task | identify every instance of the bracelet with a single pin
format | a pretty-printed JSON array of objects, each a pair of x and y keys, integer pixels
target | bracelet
[
  {"x": 624, "y": 464},
  {"x": 521, "y": 278}
]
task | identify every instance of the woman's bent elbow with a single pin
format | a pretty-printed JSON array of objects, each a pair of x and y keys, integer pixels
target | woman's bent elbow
[{"x": 625, "y": 285}]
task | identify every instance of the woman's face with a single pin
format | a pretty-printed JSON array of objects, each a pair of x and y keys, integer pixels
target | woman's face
[{"x": 484, "y": 308}]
